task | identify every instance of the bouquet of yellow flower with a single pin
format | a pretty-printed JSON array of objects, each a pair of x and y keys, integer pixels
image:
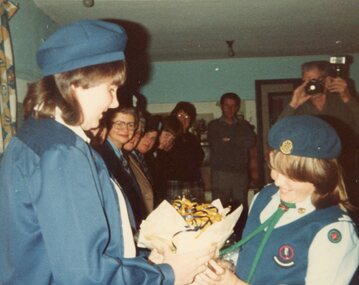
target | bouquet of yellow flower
[{"x": 185, "y": 226}]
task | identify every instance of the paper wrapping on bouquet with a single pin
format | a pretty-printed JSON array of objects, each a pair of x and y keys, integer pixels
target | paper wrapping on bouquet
[{"x": 166, "y": 227}]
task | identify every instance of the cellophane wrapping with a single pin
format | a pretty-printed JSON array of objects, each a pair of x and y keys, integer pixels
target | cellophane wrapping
[{"x": 165, "y": 227}]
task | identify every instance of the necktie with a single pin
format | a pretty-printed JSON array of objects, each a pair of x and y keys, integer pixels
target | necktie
[{"x": 269, "y": 224}]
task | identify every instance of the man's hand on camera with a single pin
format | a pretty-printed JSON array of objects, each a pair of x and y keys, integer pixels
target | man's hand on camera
[
  {"x": 340, "y": 86},
  {"x": 299, "y": 96}
]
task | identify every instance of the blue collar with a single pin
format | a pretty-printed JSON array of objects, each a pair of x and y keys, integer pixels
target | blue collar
[{"x": 117, "y": 151}]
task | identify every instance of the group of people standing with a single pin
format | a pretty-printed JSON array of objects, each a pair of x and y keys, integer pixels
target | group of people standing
[
  {"x": 156, "y": 157},
  {"x": 70, "y": 205},
  {"x": 151, "y": 157}
]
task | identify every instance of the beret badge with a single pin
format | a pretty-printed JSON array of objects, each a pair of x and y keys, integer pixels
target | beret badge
[{"x": 286, "y": 147}]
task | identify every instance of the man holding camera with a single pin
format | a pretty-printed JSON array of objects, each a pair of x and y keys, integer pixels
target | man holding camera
[{"x": 325, "y": 93}]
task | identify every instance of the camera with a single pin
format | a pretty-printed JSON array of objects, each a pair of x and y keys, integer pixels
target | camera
[
  {"x": 314, "y": 86},
  {"x": 339, "y": 66}
]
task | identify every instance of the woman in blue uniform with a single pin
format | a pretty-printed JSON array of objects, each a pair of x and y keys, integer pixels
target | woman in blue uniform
[
  {"x": 298, "y": 230},
  {"x": 62, "y": 221}
]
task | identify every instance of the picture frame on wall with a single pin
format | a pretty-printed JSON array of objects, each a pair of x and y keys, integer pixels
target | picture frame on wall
[{"x": 271, "y": 98}]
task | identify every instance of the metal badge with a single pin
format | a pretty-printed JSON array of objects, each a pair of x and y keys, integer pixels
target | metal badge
[
  {"x": 301, "y": 210},
  {"x": 286, "y": 147}
]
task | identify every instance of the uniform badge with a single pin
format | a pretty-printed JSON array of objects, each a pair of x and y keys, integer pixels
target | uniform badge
[
  {"x": 334, "y": 236},
  {"x": 301, "y": 210},
  {"x": 286, "y": 147},
  {"x": 285, "y": 256}
]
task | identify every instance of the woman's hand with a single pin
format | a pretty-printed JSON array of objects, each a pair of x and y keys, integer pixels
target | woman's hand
[
  {"x": 187, "y": 265},
  {"x": 215, "y": 274},
  {"x": 156, "y": 256}
]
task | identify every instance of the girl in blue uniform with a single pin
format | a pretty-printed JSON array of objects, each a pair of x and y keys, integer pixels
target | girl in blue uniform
[
  {"x": 62, "y": 220},
  {"x": 298, "y": 230}
]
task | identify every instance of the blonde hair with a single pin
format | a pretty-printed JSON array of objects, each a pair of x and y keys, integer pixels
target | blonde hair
[
  {"x": 54, "y": 91},
  {"x": 325, "y": 174}
]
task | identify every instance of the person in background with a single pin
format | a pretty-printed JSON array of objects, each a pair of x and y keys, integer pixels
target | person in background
[
  {"x": 62, "y": 221},
  {"x": 298, "y": 230},
  {"x": 147, "y": 143},
  {"x": 230, "y": 138},
  {"x": 333, "y": 99},
  {"x": 138, "y": 174},
  {"x": 122, "y": 124},
  {"x": 185, "y": 158},
  {"x": 336, "y": 103},
  {"x": 157, "y": 160}
]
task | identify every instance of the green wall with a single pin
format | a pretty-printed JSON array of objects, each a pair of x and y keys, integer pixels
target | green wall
[
  {"x": 28, "y": 27},
  {"x": 170, "y": 82},
  {"x": 207, "y": 80}
]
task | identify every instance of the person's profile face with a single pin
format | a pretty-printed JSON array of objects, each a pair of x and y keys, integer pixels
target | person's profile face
[
  {"x": 166, "y": 140},
  {"x": 147, "y": 142},
  {"x": 229, "y": 108},
  {"x": 291, "y": 191},
  {"x": 94, "y": 101}
]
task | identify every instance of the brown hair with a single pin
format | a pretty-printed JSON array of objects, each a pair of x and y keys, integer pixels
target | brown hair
[
  {"x": 324, "y": 174},
  {"x": 232, "y": 96},
  {"x": 98, "y": 135},
  {"x": 54, "y": 91},
  {"x": 186, "y": 107},
  {"x": 172, "y": 125},
  {"x": 111, "y": 114}
]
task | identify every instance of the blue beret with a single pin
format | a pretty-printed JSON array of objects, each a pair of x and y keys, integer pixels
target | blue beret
[
  {"x": 81, "y": 44},
  {"x": 305, "y": 135}
]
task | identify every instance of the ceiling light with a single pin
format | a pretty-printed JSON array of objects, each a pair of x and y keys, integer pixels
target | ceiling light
[
  {"x": 88, "y": 3},
  {"x": 230, "y": 48}
]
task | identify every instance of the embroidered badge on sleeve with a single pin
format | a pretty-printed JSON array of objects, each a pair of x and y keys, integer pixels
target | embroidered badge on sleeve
[{"x": 334, "y": 236}]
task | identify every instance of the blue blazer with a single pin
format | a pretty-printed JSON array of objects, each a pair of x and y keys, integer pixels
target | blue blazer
[{"x": 59, "y": 215}]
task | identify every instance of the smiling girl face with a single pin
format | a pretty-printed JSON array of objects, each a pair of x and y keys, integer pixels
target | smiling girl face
[
  {"x": 292, "y": 175},
  {"x": 290, "y": 190}
]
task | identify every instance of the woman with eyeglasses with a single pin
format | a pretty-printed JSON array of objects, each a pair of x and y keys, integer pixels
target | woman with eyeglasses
[
  {"x": 121, "y": 124},
  {"x": 185, "y": 158}
]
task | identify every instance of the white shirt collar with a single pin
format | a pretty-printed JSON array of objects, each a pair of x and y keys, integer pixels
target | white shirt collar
[
  {"x": 76, "y": 129},
  {"x": 305, "y": 204}
]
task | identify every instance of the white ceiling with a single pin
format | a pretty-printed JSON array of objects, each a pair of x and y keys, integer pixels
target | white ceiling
[{"x": 198, "y": 29}]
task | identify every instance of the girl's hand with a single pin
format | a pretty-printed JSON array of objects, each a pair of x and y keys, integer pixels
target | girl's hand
[{"x": 217, "y": 275}]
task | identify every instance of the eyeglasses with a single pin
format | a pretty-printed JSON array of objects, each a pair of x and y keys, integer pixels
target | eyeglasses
[
  {"x": 120, "y": 125},
  {"x": 179, "y": 116}
]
